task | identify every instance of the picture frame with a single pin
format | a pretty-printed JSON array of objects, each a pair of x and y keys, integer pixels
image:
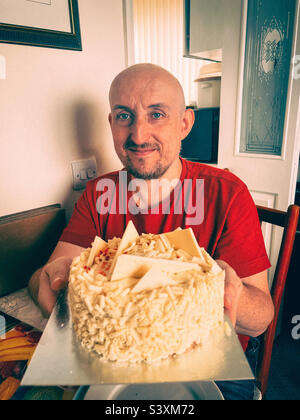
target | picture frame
[{"x": 13, "y": 33}]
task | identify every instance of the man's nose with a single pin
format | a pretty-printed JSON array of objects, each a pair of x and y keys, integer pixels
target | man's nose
[{"x": 140, "y": 131}]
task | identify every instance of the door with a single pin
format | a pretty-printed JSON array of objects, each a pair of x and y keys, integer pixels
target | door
[{"x": 271, "y": 178}]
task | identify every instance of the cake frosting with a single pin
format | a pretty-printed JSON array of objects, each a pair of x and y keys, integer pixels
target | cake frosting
[{"x": 145, "y": 301}]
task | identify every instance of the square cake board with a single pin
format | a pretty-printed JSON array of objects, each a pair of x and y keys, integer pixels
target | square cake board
[{"x": 60, "y": 360}]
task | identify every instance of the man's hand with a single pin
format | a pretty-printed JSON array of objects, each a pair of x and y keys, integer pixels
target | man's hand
[
  {"x": 46, "y": 282},
  {"x": 233, "y": 291},
  {"x": 52, "y": 278},
  {"x": 247, "y": 301}
]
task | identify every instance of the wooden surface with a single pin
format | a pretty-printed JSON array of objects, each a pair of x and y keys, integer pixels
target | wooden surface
[{"x": 26, "y": 242}]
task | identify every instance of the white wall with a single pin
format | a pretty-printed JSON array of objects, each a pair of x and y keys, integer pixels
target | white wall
[{"x": 54, "y": 106}]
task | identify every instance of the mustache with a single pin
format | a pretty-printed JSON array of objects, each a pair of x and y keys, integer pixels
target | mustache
[{"x": 130, "y": 144}]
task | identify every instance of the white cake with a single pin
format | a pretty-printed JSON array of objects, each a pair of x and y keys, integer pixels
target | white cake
[{"x": 143, "y": 298}]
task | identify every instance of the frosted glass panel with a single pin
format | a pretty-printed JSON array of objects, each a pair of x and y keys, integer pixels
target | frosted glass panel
[{"x": 266, "y": 75}]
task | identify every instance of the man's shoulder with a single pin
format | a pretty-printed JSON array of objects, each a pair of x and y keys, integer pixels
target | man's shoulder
[
  {"x": 213, "y": 174},
  {"x": 110, "y": 176}
]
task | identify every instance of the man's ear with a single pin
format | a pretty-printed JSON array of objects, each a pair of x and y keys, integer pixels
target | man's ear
[{"x": 188, "y": 120}]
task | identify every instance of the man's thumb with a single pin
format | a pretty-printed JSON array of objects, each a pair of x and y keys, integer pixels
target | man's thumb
[
  {"x": 58, "y": 273},
  {"x": 59, "y": 282}
]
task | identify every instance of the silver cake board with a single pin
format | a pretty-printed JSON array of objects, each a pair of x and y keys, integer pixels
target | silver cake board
[{"x": 60, "y": 360}]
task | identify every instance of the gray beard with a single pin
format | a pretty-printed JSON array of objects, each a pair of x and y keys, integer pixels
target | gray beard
[{"x": 155, "y": 173}]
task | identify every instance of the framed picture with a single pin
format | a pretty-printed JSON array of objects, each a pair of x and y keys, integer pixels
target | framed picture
[{"x": 41, "y": 23}]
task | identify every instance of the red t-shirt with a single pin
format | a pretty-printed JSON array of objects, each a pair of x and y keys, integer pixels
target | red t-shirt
[{"x": 214, "y": 203}]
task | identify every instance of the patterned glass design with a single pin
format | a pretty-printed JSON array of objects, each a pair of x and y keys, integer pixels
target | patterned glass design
[{"x": 269, "y": 41}]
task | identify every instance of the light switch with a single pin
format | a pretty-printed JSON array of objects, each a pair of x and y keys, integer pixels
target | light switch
[
  {"x": 83, "y": 171},
  {"x": 83, "y": 175},
  {"x": 91, "y": 173}
]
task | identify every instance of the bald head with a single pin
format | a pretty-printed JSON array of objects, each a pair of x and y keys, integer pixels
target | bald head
[
  {"x": 149, "y": 120},
  {"x": 146, "y": 76}
]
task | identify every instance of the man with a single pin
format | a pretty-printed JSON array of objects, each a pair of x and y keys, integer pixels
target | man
[{"x": 149, "y": 120}]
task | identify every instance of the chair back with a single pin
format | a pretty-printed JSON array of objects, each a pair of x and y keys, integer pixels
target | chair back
[
  {"x": 27, "y": 240},
  {"x": 289, "y": 221}
]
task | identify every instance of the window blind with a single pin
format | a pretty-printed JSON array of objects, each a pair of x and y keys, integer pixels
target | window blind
[{"x": 158, "y": 39}]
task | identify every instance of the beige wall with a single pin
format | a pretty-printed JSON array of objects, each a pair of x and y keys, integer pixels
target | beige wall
[{"x": 53, "y": 109}]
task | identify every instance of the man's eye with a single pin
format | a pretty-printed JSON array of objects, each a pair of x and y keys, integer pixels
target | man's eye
[
  {"x": 157, "y": 115},
  {"x": 123, "y": 116}
]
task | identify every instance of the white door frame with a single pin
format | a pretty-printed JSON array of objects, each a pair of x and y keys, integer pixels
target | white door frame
[
  {"x": 128, "y": 32},
  {"x": 293, "y": 109},
  {"x": 292, "y": 117}
]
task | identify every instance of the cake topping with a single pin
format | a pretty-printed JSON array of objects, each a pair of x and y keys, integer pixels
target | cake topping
[{"x": 145, "y": 297}]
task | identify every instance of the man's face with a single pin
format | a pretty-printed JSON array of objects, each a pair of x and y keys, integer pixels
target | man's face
[{"x": 147, "y": 125}]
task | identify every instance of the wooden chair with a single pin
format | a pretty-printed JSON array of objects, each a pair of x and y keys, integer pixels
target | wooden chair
[
  {"x": 289, "y": 221},
  {"x": 27, "y": 240}
]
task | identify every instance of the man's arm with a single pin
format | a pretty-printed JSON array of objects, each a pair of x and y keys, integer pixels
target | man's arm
[
  {"x": 256, "y": 308},
  {"x": 46, "y": 282},
  {"x": 248, "y": 301}
]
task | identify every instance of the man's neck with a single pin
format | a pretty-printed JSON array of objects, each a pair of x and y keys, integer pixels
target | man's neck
[{"x": 155, "y": 191}]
